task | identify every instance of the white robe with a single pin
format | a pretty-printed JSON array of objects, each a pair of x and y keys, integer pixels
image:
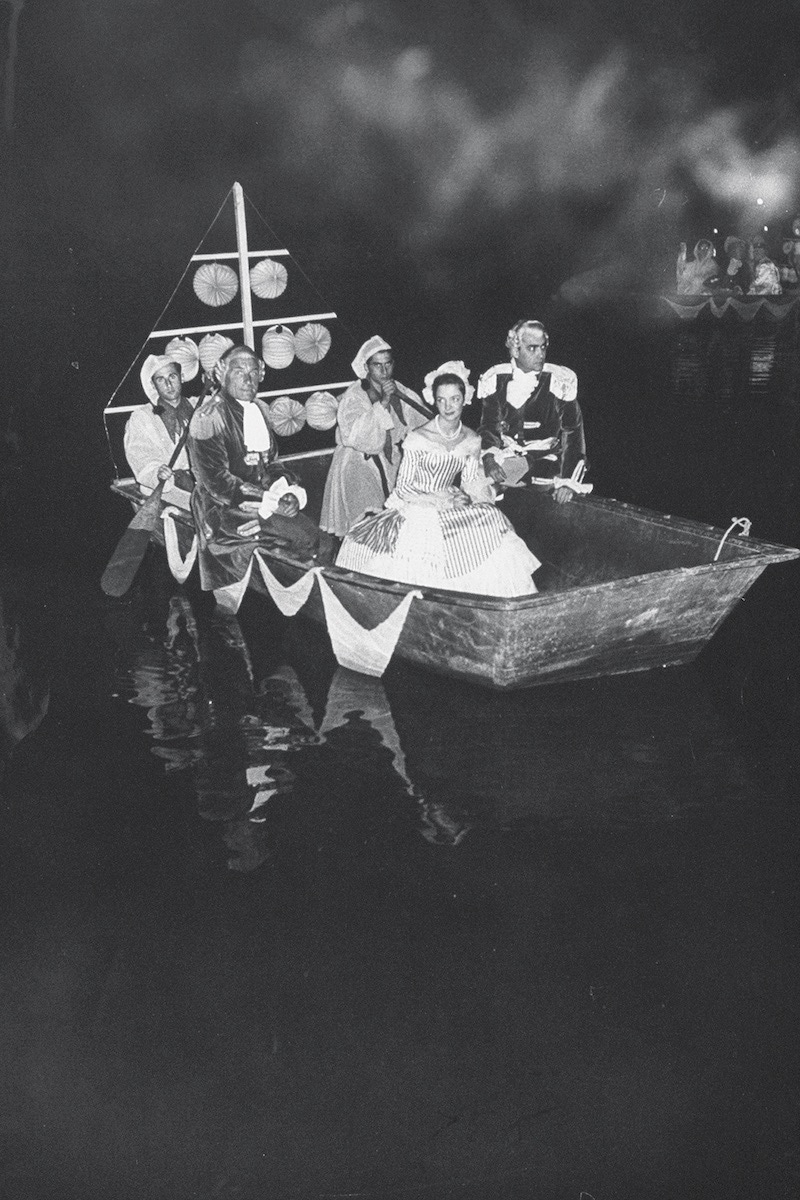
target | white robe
[
  {"x": 148, "y": 446},
  {"x": 354, "y": 482}
]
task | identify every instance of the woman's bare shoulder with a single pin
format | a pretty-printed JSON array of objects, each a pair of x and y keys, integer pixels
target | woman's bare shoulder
[{"x": 470, "y": 442}]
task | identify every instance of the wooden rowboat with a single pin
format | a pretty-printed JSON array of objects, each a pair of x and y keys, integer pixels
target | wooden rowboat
[{"x": 621, "y": 589}]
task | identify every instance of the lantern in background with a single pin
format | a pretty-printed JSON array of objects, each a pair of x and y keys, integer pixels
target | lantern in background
[
  {"x": 321, "y": 409},
  {"x": 211, "y": 349},
  {"x": 286, "y": 416},
  {"x": 184, "y": 352},
  {"x": 277, "y": 346},
  {"x": 312, "y": 342},
  {"x": 215, "y": 284},
  {"x": 268, "y": 279}
]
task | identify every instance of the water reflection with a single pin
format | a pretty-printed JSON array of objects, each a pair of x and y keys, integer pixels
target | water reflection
[
  {"x": 727, "y": 361},
  {"x": 632, "y": 750},
  {"x": 762, "y": 360},
  {"x": 24, "y": 681}
]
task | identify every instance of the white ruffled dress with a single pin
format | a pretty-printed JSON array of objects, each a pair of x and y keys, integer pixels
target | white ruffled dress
[{"x": 422, "y": 537}]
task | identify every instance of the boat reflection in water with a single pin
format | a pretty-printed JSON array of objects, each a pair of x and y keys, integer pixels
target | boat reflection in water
[{"x": 275, "y": 727}]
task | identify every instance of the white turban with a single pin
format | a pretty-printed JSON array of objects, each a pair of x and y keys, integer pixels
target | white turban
[
  {"x": 153, "y": 363},
  {"x": 370, "y": 347},
  {"x": 453, "y": 367}
]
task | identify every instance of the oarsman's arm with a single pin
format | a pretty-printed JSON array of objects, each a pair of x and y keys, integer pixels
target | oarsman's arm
[
  {"x": 145, "y": 446},
  {"x": 362, "y": 425},
  {"x": 148, "y": 449}
]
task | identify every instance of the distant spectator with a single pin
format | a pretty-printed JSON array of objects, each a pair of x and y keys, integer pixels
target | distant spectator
[
  {"x": 766, "y": 278},
  {"x": 699, "y": 274},
  {"x": 737, "y": 273},
  {"x": 790, "y": 267}
]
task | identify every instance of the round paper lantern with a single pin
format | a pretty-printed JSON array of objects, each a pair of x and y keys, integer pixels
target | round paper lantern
[
  {"x": 268, "y": 278},
  {"x": 211, "y": 349},
  {"x": 286, "y": 416},
  {"x": 277, "y": 346},
  {"x": 312, "y": 342},
  {"x": 321, "y": 408},
  {"x": 184, "y": 352},
  {"x": 215, "y": 284}
]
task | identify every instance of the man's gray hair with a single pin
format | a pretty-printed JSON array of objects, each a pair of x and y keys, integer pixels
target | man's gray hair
[{"x": 512, "y": 340}]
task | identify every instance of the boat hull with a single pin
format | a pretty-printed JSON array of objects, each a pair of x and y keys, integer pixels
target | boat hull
[
  {"x": 608, "y": 630},
  {"x": 724, "y": 306},
  {"x": 622, "y": 589}
]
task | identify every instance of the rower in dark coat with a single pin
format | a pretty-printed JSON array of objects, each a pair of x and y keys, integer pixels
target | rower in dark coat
[{"x": 235, "y": 462}]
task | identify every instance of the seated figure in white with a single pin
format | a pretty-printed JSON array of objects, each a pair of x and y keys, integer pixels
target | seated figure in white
[{"x": 433, "y": 531}]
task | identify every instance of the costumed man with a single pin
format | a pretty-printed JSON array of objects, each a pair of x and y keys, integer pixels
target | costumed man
[
  {"x": 531, "y": 405},
  {"x": 790, "y": 268},
  {"x": 766, "y": 277},
  {"x": 244, "y": 498},
  {"x": 737, "y": 272},
  {"x": 153, "y": 431},
  {"x": 699, "y": 275},
  {"x": 374, "y": 416}
]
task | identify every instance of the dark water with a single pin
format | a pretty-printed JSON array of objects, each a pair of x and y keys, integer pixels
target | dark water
[{"x": 273, "y": 929}]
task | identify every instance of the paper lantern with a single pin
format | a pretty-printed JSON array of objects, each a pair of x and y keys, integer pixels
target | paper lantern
[
  {"x": 211, "y": 349},
  {"x": 321, "y": 409},
  {"x": 286, "y": 416},
  {"x": 215, "y": 284},
  {"x": 184, "y": 352},
  {"x": 312, "y": 342},
  {"x": 277, "y": 346},
  {"x": 268, "y": 278}
]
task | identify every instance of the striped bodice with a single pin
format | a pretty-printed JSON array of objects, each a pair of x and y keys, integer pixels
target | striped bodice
[
  {"x": 456, "y": 539},
  {"x": 426, "y": 471}
]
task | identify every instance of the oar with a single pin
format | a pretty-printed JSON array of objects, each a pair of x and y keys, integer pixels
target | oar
[{"x": 131, "y": 547}]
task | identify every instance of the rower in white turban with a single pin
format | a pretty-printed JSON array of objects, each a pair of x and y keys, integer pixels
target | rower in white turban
[
  {"x": 153, "y": 431},
  {"x": 374, "y": 416}
]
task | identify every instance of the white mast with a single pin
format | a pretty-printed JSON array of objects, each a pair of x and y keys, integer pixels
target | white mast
[{"x": 244, "y": 266}]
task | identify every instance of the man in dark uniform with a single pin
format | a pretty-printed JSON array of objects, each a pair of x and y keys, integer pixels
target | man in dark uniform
[
  {"x": 531, "y": 404},
  {"x": 235, "y": 462}
]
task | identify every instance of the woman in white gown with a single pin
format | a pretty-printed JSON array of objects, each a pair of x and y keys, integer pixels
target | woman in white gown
[{"x": 431, "y": 531}]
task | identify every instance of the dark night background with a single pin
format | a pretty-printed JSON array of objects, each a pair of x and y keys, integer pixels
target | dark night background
[
  {"x": 583, "y": 973},
  {"x": 437, "y": 168}
]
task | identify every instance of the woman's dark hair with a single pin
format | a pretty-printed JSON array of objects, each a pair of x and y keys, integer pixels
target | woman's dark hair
[{"x": 448, "y": 377}]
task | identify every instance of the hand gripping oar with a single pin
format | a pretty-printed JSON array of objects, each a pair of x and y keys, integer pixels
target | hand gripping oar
[{"x": 131, "y": 547}]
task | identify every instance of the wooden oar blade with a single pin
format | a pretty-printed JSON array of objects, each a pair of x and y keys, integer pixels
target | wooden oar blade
[
  {"x": 131, "y": 547},
  {"x": 119, "y": 574}
]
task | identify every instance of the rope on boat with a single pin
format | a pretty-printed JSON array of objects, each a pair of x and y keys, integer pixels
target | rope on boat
[{"x": 745, "y": 524}]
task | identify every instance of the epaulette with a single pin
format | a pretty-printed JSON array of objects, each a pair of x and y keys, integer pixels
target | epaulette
[
  {"x": 563, "y": 382},
  {"x": 487, "y": 379},
  {"x": 207, "y": 420}
]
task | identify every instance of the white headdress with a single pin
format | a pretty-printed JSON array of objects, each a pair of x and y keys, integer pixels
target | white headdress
[
  {"x": 370, "y": 347},
  {"x": 453, "y": 367},
  {"x": 153, "y": 363}
]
